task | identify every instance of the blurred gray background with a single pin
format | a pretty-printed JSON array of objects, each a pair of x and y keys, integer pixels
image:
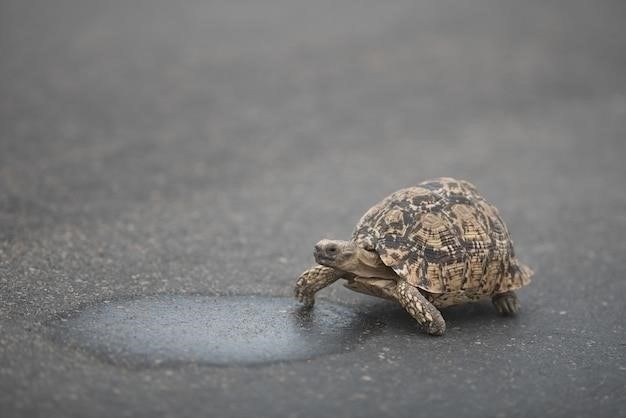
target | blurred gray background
[{"x": 203, "y": 147}]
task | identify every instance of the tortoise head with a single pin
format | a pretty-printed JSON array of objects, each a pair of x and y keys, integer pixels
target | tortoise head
[{"x": 348, "y": 256}]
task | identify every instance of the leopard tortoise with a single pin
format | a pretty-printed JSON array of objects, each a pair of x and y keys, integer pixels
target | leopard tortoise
[{"x": 434, "y": 245}]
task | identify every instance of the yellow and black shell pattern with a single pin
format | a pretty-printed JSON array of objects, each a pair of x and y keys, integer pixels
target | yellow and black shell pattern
[{"x": 443, "y": 237}]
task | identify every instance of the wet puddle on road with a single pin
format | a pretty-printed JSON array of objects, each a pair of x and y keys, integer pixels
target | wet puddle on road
[{"x": 226, "y": 330}]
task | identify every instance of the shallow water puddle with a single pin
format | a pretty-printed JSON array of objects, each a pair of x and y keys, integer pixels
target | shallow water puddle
[{"x": 227, "y": 330}]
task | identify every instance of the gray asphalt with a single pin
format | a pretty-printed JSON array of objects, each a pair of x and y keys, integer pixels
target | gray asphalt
[{"x": 202, "y": 148}]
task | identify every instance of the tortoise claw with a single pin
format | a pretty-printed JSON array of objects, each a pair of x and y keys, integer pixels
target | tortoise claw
[
  {"x": 506, "y": 304},
  {"x": 302, "y": 294}
]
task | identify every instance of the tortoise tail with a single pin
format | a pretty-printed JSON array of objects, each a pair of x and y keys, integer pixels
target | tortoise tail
[{"x": 519, "y": 275}]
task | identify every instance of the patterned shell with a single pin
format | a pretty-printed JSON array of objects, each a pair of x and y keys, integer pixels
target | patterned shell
[{"x": 443, "y": 236}]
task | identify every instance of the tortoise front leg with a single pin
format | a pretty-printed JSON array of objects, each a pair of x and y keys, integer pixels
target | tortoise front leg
[
  {"x": 313, "y": 280},
  {"x": 421, "y": 309}
]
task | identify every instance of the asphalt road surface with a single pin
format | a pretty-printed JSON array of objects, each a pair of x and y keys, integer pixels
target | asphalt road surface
[{"x": 160, "y": 157}]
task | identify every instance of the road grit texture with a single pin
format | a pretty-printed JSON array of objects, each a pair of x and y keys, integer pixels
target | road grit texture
[{"x": 157, "y": 148}]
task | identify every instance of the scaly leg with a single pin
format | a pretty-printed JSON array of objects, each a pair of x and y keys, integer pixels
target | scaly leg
[
  {"x": 506, "y": 303},
  {"x": 313, "y": 280},
  {"x": 421, "y": 309}
]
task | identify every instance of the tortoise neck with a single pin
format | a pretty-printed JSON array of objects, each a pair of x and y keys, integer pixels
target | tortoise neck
[{"x": 370, "y": 265}]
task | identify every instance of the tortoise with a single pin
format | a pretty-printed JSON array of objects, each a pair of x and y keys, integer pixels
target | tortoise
[{"x": 427, "y": 247}]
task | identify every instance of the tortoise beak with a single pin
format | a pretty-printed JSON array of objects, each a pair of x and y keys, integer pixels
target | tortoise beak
[{"x": 325, "y": 252}]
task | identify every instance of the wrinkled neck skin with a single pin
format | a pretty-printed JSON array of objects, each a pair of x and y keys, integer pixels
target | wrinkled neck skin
[{"x": 364, "y": 263}]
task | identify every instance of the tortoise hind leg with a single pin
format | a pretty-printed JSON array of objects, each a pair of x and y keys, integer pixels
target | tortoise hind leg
[
  {"x": 421, "y": 309},
  {"x": 506, "y": 303}
]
